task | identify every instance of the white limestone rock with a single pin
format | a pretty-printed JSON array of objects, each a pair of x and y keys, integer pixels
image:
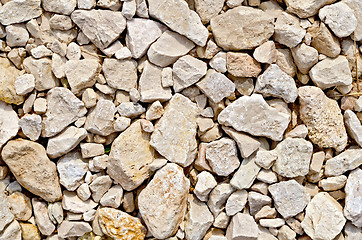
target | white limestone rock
[
  {"x": 6, "y": 215},
  {"x": 205, "y": 183},
  {"x": 218, "y": 62},
  {"x": 25, "y": 10},
  {"x": 69, "y": 229},
  {"x": 218, "y": 198},
  {"x": 74, "y": 204},
  {"x": 266, "y": 53},
  {"x": 113, "y": 197},
  {"x": 24, "y": 84},
  {"x": 242, "y": 226},
  {"x": 352, "y": 211},
  {"x": 9, "y": 122},
  {"x": 288, "y": 30},
  {"x": 353, "y": 125},
  {"x": 356, "y": 6},
  {"x": 42, "y": 219},
  {"x": 246, "y": 174},
  {"x": 304, "y": 57},
  {"x": 343, "y": 162},
  {"x": 207, "y": 9},
  {"x": 100, "y": 119},
  {"x": 333, "y": 183},
  {"x": 12, "y": 231},
  {"x": 89, "y": 150},
  {"x": 306, "y": 8},
  {"x": 100, "y": 186},
  {"x": 65, "y": 7},
  {"x": 236, "y": 202},
  {"x": 120, "y": 74},
  {"x": 130, "y": 109}
]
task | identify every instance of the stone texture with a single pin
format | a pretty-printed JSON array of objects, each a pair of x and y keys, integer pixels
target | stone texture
[
  {"x": 304, "y": 57},
  {"x": 42, "y": 219},
  {"x": 343, "y": 162},
  {"x": 65, "y": 7},
  {"x": 175, "y": 132},
  {"x": 29, "y": 232},
  {"x": 25, "y": 10},
  {"x": 9, "y": 123},
  {"x": 253, "y": 115},
  {"x": 306, "y": 8},
  {"x": 352, "y": 211},
  {"x": 323, "y": 118},
  {"x": 31, "y": 126},
  {"x": 177, "y": 16},
  {"x": 246, "y": 174},
  {"x": 207, "y": 9},
  {"x": 24, "y": 84},
  {"x": 218, "y": 198},
  {"x": 288, "y": 30},
  {"x": 242, "y": 226},
  {"x": 242, "y": 65},
  {"x": 130, "y": 157},
  {"x": 32, "y": 168},
  {"x": 236, "y": 202},
  {"x": 205, "y": 183},
  {"x": 162, "y": 203},
  {"x": 323, "y": 40},
  {"x": 69, "y": 229},
  {"x": 113, "y": 197},
  {"x": 333, "y": 183},
  {"x": 16, "y": 35},
  {"x": 6, "y": 215},
  {"x": 20, "y": 206},
  {"x": 100, "y": 119},
  {"x": 353, "y": 125},
  {"x": 120, "y": 74},
  {"x": 242, "y": 28},
  {"x": 266, "y": 53},
  {"x": 100, "y": 186},
  {"x": 356, "y": 6},
  {"x": 74, "y": 204},
  {"x": 8, "y": 75}
]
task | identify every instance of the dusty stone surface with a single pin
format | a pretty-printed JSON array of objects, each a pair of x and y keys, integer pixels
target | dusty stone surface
[
  {"x": 288, "y": 30},
  {"x": 242, "y": 65},
  {"x": 353, "y": 192},
  {"x": 100, "y": 119},
  {"x": 8, "y": 75},
  {"x": 124, "y": 79},
  {"x": 343, "y": 162},
  {"x": 353, "y": 126},
  {"x": 242, "y": 226},
  {"x": 9, "y": 122},
  {"x": 26, "y": 10},
  {"x": 307, "y": 8},
  {"x": 5, "y": 214}
]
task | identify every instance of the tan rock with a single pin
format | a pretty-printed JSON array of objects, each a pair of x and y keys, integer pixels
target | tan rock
[
  {"x": 120, "y": 74},
  {"x": 69, "y": 229},
  {"x": 42, "y": 219},
  {"x": 208, "y": 9},
  {"x": 20, "y": 206},
  {"x": 288, "y": 30},
  {"x": 8, "y": 75},
  {"x": 323, "y": 40},
  {"x": 100, "y": 119},
  {"x": 242, "y": 65},
  {"x": 9, "y": 123},
  {"x": 29, "y": 231},
  {"x": 343, "y": 162},
  {"x": 25, "y": 10},
  {"x": 266, "y": 53},
  {"x": 306, "y": 8}
]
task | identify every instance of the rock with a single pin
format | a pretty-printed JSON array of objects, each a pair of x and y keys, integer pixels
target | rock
[
  {"x": 16, "y": 35},
  {"x": 265, "y": 159},
  {"x": 100, "y": 119},
  {"x": 64, "y": 108},
  {"x": 113, "y": 197},
  {"x": 266, "y": 53},
  {"x": 100, "y": 186},
  {"x": 351, "y": 232},
  {"x": 41, "y": 51},
  {"x": 353, "y": 125},
  {"x": 120, "y": 74},
  {"x": 340, "y": 19},
  {"x": 218, "y": 197},
  {"x": 42, "y": 71},
  {"x": 333, "y": 183},
  {"x": 91, "y": 149},
  {"x": 20, "y": 206},
  {"x": 129, "y": 9},
  {"x": 130, "y": 109},
  {"x": 5, "y": 214},
  {"x": 246, "y": 174},
  {"x": 218, "y": 62},
  {"x": 208, "y": 9},
  {"x": 290, "y": 198},
  {"x": 162, "y": 203},
  {"x": 305, "y": 9},
  {"x": 168, "y": 48},
  {"x": 288, "y": 30},
  {"x": 272, "y": 223},
  {"x": 238, "y": 115},
  {"x": 155, "y": 111},
  {"x": 285, "y": 61},
  {"x": 69, "y": 229},
  {"x": 276, "y": 83},
  {"x": 102, "y": 27},
  {"x": 12, "y": 231},
  {"x": 305, "y": 57},
  {"x": 353, "y": 193},
  {"x": 286, "y": 233},
  {"x": 324, "y": 217},
  {"x": 323, "y": 118},
  {"x": 356, "y": 6},
  {"x": 176, "y": 128},
  {"x": 42, "y": 220},
  {"x": 9, "y": 123},
  {"x": 294, "y": 155},
  {"x": 74, "y": 204},
  {"x": 55, "y": 212},
  {"x": 8, "y": 75},
  {"x": 216, "y": 86},
  {"x": 150, "y": 85},
  {"x": 40, "y": 106},
  {"x": 205, "y": 183},
  {"x": 82, "y": 74},
  {"x": 24, "y": 84},
  {"x": 65, "y": 7},
  {"x": 236, "y": 202},
  {"x": 32, "y": 168},
  {"x": 222, "y": 156},
  {"x": 242, "y": 65},
  {"x": 25, "y": 10},
  {"x": 343, "y": 162},
  {"x": 141, "y": 33},
  {"x": 198, "y": 219},
  {"x": 242, "y": 226},
  {"x": 29, "y": 232},
  {"x": 186, "y": 71},
  {"x": 324, "y": 41},
  {"x": 331, "y": 73},
  {"x": 31, "y": 126},
  {"x": 60, "y": 22},
  {"x": 257, "y": 201},
  {"x": 242, "y": 28},
  {"x": 179, "y": 18}
]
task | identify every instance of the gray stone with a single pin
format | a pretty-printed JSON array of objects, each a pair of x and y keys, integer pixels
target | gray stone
[{"x": 246, "y": 174}]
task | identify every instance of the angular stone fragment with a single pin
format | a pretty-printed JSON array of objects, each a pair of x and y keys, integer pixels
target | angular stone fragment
[
  {"x": 305, "y": 57},
  {"x": 218, "y": 197},
  {"x": 20, "y": 206},
  {"x": 100, "y": 119},
  {"x": 356, "y": 6},
  {"x": 29, "y": 232},
  {"x": 120, "y": 74},
  {"x": 8, "y": 75},
  {"x": 24, "y": 84},
  {"x": 246, "y": 174},
  {"x": 242, "y": 28},
  {"x": 353, "y": 190},
  {"x": 257, "y": 201},
  {"x": 205, "y": 183},
  {"x": 266, "y": 53},
  {"x": 69, "y": 229},
  {"x": 175, "y": 132},
  {"x": 18, "y": 11},
  {"x": 253, "y": 115},
  {"x": 100, "y": 186},
  {"x": 323, "y": 40},
  {"x": 65, "y": 7},
  {"x": 42, "y": 219},
  {"x": 6, "y": 215},
  {"x": 306, "y": 8},
  {"x": 168, "y": 48},
  {"x": 324, "y": 217},
  {"x": 64, "y": 108},
  {"x": 74, "y": 204},
  {"x": 177, "y": 16},
  {"x": 288, "y": 30},
  {"x": 242, "y": 226},
  {"x": 216, "y": 86},
  {"x": 120, "y": 225},
  {"x": 102, "y": 27},
  {"x": 236, "y": 202},
  {"x": 323, "y": 118},
  {"x": 32, "y": 168},
  {"x": 353, "y": 125},
  {"x": 130, "y": 109},
  {"x": 55, "y": 212},
  {"x": 31, "y": 126},
  {"x": 208, "y": 9},
  {"x": 333, "y": 183},
  {"x": 16, "y": 35},
  {"x": 113, "y": 197},
  {"x": 343, "y": 162},
  {"x": 242, "y": 65},
  {"x": 9, "y": 123},
  {"x": 274, "y": 82},
  {"x": 162, "y": 203}
]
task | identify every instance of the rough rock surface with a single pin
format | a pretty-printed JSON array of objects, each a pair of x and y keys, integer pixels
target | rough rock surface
[
  {"x": 25, "y": 10},
  {"x": 9, "y": 123},
  {"x": 352, "y": 211},
  {"x": 8, "y": 75},
  {"x": 306, "y": 8},
  {"x": 343, "y": 162}
]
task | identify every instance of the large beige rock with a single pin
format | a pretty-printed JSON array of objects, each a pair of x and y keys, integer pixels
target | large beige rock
[
  {"x": 306, "y": 8},
  {"x": 176, "y": 15},
  {"x": 65, "y": 7},
  {"x": 12, "y": 231},
  {"x": 32, "y": 168},
  {"x": 288, "y": 30},
  {"x": 9, "y": 123},
  {"x": 242, "y": 28},
  {"x": 323, "y": 118},
  {"x": 130, "y": 157},
  {"x": 353, "y": 189},
  {"x": 8, "y": 75},
  {"x": 120, "y": 74},
  {"x": 162, "y": 203},
  {"x": 24, "y": 9},
  {"x": 343, "y": 162},
  {"x": 174, "y": 136},
  {"x": 356, "y": 6}
]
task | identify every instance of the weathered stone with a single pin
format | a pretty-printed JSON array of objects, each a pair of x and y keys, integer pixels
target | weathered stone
[
  {"x": 31, "y": 126},
  {"x": 352, "y": 232},
  {"x": 32, "y": 168},
  {"x": 345, "y": 161},
  {"x": 242, "y": 28},
  {"x": 42, "y": 219},
  {"x": 9, "y": 123},
  {"x": 304, "y": 57},
  {"x": 236, "y": 202},
  {"x": 74, "y": 204},
  {"x": 174, "y": 134},
  {"x": 65, "y": 7},
  {"x": 113, "y": 197},
  {"x": 20, "y": 206},
  {"x": 40, "y": 105},
  {"x": 102, "y": 27},
  {"x": 356, "y": 6},
  {"x": 306, "y": 8},
  {"x": 323, "y": 40},
  {"x": 242, "y": 226},
  {"x": 323, "y": 118},
  {"x": 16, "y": 35},
  {"x": 55, "y": 212},
  {"x": 29, "y": 232},
  {"x": 205, "y": 183},
  {"x": 218, "y": 62},
  {"x": 257, "y": 201},
  {"x": 266, "y": 53},
  {"x": 177, "y": 16},
  {"x": 8, "y": 75},
  {"x": 100, "y": 186},
  {"x": 130, "y": 109},
  {"x": 64, "y": 108},
  {"x": 285, "y": 61},
  {"x": 324, "y": 217},
  {"x": 24, "y": 9},
  {"x": 120, "y": 74},
  {"x": 6, "y": 215},
  {"x": 218, "y": 197},
  {"x": 162, "y": 203},
  {"x": 242, "y": 65},
  {"x": 288, "y": 30},
  {"x": 246, "y": 174},
  {"x": 100, "y": 119},
  {"x": 24, "y": 84},
  {"x": 353, "y": 125},
  {"x": 333, "y": 183},
  {"x": 352, "y": 211},
  {"x": 208, "y": 9},
  {"x": 69, "y": 229}
]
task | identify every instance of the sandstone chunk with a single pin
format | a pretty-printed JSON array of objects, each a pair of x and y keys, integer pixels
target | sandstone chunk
[
  {"x": 32, "y": 168},
  {"x": 102, "y": 27},
  {"x": 343, "y": 162},
  {"x": 323, "y": 118},
  {"x": 120, "y": 74},
  {"x": 42, "y": 219},
  {"x": 5, "y": 214},
  {"x": 242, "y": 28},
  {"x": 176, "y": 15},
  {"x": 8, "y": 75},
  {"x": 352, "y": 211},
  {"x": 20, "y": 206},
  {"x": 323, "y": 40},
  {"x": 253, "y": 115},
  {"x": 288, "y": 30},
  {"x": 306, "y": 8},
  {"x": 9, "y": 123},
  {"x": 353, "y": 125},
  {"x": 24, "y": 9},
  {"x": 100, "y": 119},
  {"x": 242, "y": 65},
  {"x": 175, "y": 132},
  {"x": 162, "y": 203}
]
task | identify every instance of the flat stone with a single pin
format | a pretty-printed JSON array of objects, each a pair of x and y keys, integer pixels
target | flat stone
[
  {"x": 306, "y": 8},
  {"x": 120, "y": 74},
  {"x": 8, "y": 75},
  {"x": 343, "y": 162},
  {"x": 305, "y": 57},
  {"x": 276, "y": 83},
  {"x": 32, "y": 168},
  {"x": 323, "y": 218},
  {"x": 24, "y": 84},
  {"x": 356, "y": 6},
  {"x": 20, "y": 206},
  {"x": 25, "y": 10},
  {"x": 323, "y": 40},
  {"x": 55, "y": 212},
  {"x": 216, "y": 86},
  {"x": 333, "y": 183},
  {"x": 12, "y": 231},
  {"x": 162, "y": 203},
  {"x": 242, "y": 226},
  {"x": 246, "y": 174},
  {"x": 236, "y": 202},
  {"x": 141, "y": 33},
  {"x": 353, "y": 125},
  {"x": 218, "y": 198},
  {"x": 102, "y": 27},
  {"x": 74, "y": 204},
  {"x": 69, "y": 229},
  {"x": 253, "y": 115},
  {"x": 323, "y": 118},
  {"x": 331, "y": 73},
  {"x": 205, "y": 183},
  {"x": 207, "y": 9},
  {"x": 218, "y": 62},
  {"x": 272, "y": 223},
  {"x": 65, "y": 7},
  {"x": 179, "y": 18},
  {"x": 130, "y": 157},
  {"x": 64, "y": 108},
  {"x": 352, "y": 211},
  {"x": 42, "y": 219},
  {"x": 100, "y": 119},
  {"x": 5, "y": 214},
  {"x": 168, "y": 48},
  {"x": 242, "y": 65},
  {"x": 175, "y": 130},
  {"x": 242, "y": 28},
  {"x": 9, "y": 123},
  {"x": 288, "y": 30}
]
